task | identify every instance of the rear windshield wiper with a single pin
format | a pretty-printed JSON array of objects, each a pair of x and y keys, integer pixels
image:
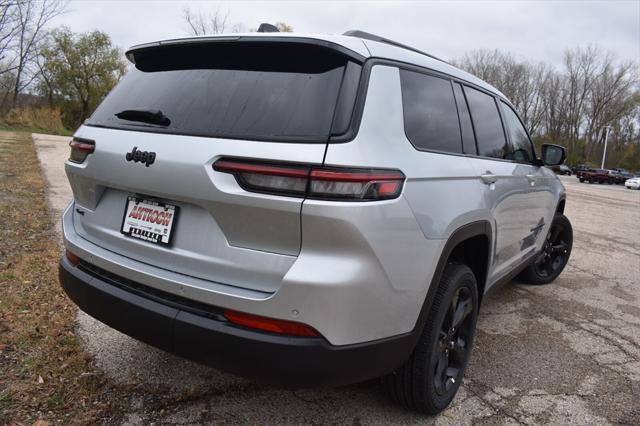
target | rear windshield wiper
[{"x": 151, "y": 116}]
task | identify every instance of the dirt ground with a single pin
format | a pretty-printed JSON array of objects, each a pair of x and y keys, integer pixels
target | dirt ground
[{"x": 567, "y": 353}]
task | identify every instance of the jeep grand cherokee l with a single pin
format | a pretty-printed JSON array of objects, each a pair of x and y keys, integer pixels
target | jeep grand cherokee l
[{"x": 307, "y": 210}]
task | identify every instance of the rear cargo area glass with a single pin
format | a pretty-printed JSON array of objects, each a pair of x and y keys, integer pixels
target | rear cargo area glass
[{"x": 258, "y": 91}]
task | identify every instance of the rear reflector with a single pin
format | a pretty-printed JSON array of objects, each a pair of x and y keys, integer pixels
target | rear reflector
[
  {"x": 288, "y": 328},
  {"x": 80, "y": 149},
  {"x": 72, "y": 258},
  {"x": 344, "y": 184}
]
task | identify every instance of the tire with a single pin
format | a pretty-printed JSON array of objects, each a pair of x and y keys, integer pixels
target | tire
[
  {"x": 418, "y": 384},
  {"x": 581, "y": 180},
  {"x": 554, "y": 256}
]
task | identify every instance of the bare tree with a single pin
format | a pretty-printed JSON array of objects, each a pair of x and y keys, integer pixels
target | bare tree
[
  {"x": 32, "y": 17},
  {"x": 611, "y": 96},
  {"x": 553, "y": 99},
  {"x": 570, "y": 105},
  {"x": 217, "y": 22},
  {"x": 45, "y": 83},
  {"x": 521, "y": 81},
  {"x": 8, "y": 29},
  {"x": 200, "y": 24},
  {"x": 580, "y": 67}
]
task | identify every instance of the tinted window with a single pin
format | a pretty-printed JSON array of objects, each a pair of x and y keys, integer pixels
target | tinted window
[
  {"x": 488, "y": 126},
  {"x": 348, "y": 91},
  {"x": 468, "y": 139},
  {"x": 244, "y": 91},
  {"x": 430, "y": 115},
  {"x": 520, "y": 146}
]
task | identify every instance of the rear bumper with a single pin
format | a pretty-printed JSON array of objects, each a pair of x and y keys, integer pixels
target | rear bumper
[{"x": 209, "y": 339}]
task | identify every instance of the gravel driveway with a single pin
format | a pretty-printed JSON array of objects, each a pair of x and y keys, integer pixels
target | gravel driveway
[{"x": 567, "y": 353}]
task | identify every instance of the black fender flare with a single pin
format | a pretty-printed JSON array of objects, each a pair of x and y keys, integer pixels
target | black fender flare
[
  {"x": 561, "y": 203},
  {"x": 461, "y": 234}
]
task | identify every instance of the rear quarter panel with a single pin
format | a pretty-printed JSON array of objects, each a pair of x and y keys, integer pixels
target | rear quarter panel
[{"x": 437, "y": 199}]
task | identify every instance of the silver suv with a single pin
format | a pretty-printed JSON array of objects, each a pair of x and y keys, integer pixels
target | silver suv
[{"x": 307, "y": 210}]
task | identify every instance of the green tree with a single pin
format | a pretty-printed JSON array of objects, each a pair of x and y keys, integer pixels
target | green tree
[{"x": 80, "y": 70}]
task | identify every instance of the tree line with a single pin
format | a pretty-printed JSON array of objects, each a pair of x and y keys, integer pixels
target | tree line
[
  {"x": 574, "y": 105},
  {"x": 56, "y": 70}
]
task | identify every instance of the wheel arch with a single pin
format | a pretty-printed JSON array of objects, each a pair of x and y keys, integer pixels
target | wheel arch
[
  {"x": 463, "y": 244},
  {"x": 560, "y": 205}
]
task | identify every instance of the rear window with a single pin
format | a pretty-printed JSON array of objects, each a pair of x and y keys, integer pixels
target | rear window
[
  {"x": 430, "y": 114},
  {"x": 246, "y": 90}
]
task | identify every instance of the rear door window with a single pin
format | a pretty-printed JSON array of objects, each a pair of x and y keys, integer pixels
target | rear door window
[
  {"x": 466, "y": 128},
  {"x": 430, "y": 114},
  {"x": 263, "y": 91},
  {"x": 490, "y": 135}
]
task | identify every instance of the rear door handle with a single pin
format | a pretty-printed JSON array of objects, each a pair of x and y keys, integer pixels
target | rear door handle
[{"x": 488, "y": 178}]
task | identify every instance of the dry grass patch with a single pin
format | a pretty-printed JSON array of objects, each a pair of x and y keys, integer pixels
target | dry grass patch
[
  {"x": 44, "y": 373},
  {"x": 40, "y": 119}
]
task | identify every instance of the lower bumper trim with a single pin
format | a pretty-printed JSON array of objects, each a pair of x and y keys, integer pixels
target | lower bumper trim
[{"x": 266, "y": 357}]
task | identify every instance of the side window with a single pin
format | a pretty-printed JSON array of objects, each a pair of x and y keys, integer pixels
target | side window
[
  {"x": 486, "y": 121},
  {"x": 520, "y": 148},
  {"x": 430, "y": 115},
  {"x": 468, "y": 139}
]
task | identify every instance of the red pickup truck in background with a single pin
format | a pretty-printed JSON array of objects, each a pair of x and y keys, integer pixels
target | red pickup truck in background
[{"x": 596, "y": 175}]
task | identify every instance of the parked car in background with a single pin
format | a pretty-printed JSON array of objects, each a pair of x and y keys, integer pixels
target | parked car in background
[
  {"x": 581, "y": 168},
  {"x": 633, "y": 183},
  {"x": 595, "y": 176},
  {"x": 621, "y": 175},
  {"x": 562, "y": 169}
]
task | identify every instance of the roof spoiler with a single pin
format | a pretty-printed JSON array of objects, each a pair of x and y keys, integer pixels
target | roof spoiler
[{"x": 144, "y": 55}]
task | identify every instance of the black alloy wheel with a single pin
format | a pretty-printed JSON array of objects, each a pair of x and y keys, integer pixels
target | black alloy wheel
[
  {"x": 550, "y": 262},
  {"x": 452, "y": 349},
  {"x": 555, "y": 252},
  {"x": 429, "y": 380}
]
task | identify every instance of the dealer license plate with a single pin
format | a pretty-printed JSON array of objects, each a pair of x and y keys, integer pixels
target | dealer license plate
[{"x": 149, "y": 220}]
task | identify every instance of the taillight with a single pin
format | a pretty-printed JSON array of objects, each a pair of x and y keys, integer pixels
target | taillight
[
  {"x": 289, "y": 328},
  {"x": 355, "y": 184},
  {"x": 284, "y": 180},
  {"x": 326, "y": 183},
  {"x": 80, "y": 148}
]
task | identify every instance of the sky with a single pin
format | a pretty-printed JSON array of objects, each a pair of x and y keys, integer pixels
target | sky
[{"x": 533, "y": 30}]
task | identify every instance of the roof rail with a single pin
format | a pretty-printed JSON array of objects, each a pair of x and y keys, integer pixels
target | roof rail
[{"x": 373, "y": 37}]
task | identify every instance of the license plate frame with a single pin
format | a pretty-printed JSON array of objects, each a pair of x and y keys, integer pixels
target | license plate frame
[{"x": 147, "y": 226}]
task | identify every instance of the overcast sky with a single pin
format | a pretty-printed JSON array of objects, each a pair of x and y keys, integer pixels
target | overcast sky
[{"x": 538, "y": 30}]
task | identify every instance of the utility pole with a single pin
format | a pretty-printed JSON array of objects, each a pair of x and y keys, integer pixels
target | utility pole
[{"x": 606, "y": 138}]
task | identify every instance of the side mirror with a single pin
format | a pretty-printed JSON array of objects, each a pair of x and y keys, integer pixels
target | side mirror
[{"x": 553, "y": 155}]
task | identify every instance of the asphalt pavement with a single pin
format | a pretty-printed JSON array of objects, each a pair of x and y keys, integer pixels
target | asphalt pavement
[{"x": 565, "y": 353}]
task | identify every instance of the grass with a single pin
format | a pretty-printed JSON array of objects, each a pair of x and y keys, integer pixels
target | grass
[
  {"x": 41, "y": 360},
  {"x": 35, "y": 129},
  {"x": 39, "y": 119},
  {"x": 44, "y": 372}
]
